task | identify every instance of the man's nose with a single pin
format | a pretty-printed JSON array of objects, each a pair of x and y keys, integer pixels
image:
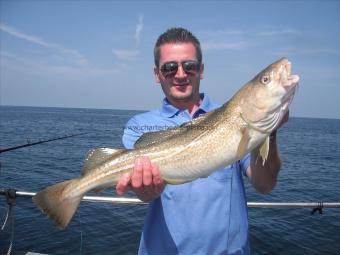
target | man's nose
[{"x": 180, "y": 72}]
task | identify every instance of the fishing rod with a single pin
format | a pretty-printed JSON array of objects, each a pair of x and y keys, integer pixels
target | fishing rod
[
  {"x": 38, "y": 142},
  {"x": 11, "y": 194}
]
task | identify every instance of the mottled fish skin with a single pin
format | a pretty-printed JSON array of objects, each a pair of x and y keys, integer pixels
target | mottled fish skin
[{"x": 191, "y": 151}]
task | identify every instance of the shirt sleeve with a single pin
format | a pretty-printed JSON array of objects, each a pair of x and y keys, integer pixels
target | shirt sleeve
[
  {"x": 131, "y": 134},
  {"x": 245, "y": 163}
]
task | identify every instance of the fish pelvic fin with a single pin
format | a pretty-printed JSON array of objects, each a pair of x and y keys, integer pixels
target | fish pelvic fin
[
  {"x": 175, "y": 181},
  {"x": 58, "y": 208},
  {"x": 97, "y": 156},
  {"x": 264, "y": 150}
]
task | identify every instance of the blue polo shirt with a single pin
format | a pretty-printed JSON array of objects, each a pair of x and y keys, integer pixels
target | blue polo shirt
[{"x": 206, "y": 216}]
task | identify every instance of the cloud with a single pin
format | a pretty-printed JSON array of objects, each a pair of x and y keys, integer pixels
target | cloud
[
  {"x": 131, "y": 54},
  {"x": 139, "y": 28},
  {"x": 40, "y": 67},
  {"x": 222, "y": 32},
  {"x": 280, "y": 32},
  {"x": 223, "y": 45},
  {"x": 68, "y": 54},
  {"x": 325, "y": 50},
  {"x": 18, "y": 34},
  {"x": 308, "y": 51},
  {"x": 126, "y": 54}
]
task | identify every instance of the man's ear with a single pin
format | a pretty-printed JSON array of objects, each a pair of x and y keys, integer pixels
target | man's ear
[
  {"x": 201, "y": 71},
  {"x": 156, "y": 72}
]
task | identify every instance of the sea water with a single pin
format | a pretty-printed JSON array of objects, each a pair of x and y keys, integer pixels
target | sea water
[{"x": 310, "y": 150}]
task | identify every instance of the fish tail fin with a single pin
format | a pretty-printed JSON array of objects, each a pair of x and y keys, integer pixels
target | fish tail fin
[{"x": 59, "y": 207}]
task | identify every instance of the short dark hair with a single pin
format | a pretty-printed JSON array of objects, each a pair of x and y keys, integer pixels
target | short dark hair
[{"x": 177, "y": 35}]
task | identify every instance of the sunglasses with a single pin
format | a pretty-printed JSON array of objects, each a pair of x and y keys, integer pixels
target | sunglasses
[{"x": 189, "y": 67}]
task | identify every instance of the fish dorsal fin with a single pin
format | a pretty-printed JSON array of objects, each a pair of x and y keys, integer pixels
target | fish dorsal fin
[
  {"x": 243, "y": 145},
  {"x": 97, "y": 156},
  {"x": 264, "y": 150},
  {"x": 155, "y": 137},
  {"x": 163, "y": 135}
]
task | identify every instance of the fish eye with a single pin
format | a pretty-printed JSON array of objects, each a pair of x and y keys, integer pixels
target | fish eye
[{"x": 265, "y": 79}]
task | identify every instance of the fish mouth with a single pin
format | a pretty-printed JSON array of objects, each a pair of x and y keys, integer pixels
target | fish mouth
[
  {"x": 290, "y": 83},
  {"x": 288, "y": 80}
]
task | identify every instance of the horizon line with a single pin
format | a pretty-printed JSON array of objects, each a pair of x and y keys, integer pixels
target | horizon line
[{"x": 143, "y": 110}]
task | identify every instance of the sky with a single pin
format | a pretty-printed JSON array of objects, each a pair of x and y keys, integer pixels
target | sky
[{"x": 99, "y": 54}]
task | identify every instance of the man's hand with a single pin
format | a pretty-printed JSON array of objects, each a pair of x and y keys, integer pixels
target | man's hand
[
  {"x": 145, "y": 180},
  {"x": 264, "y": 176}
]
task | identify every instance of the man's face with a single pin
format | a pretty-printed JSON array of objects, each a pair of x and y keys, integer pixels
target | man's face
[{"x": 180, "y": 85}]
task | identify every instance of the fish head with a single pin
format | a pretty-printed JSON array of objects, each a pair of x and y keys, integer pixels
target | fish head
[{"x": 268, "y": 96}]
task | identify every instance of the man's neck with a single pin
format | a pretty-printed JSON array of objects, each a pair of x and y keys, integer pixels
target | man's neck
[{"x": 192, "y": 107}]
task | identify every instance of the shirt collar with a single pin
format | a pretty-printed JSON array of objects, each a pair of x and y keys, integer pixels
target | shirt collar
[{"x": 168, "y": 110}]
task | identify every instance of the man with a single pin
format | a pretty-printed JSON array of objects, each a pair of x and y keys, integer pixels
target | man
[{"x": 208, "y": 215}]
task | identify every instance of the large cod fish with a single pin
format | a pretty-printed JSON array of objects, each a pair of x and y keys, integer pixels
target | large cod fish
[{"x": 216, "y": 139}]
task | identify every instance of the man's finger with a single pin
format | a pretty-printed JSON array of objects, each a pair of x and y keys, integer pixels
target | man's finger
[
  {"x": 147, "y": 173},
  {"x": 137, "y": 176},
  {"x": 123, "y": 184},
  {"x": 157, "y": 178}
]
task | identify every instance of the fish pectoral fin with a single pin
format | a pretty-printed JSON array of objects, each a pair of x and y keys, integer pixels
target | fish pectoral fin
[
  {"x": 264, "y": 150},
  {"x": 243, "y": 145},
  {"x": 97, "y": 156}
]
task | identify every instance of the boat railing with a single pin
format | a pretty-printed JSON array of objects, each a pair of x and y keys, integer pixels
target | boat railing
[
  {"x": 12, "y": 194},
  {"x": 126, "y": 200}
]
